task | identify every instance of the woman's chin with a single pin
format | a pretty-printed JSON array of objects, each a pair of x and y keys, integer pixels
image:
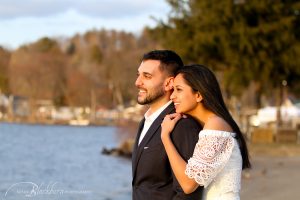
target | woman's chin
[{"x": 178, "y": 111}]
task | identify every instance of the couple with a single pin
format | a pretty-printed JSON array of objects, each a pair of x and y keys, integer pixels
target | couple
[{"x": 188, "y": 146}]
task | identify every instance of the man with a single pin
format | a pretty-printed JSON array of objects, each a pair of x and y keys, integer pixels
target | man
[{"x": 152, "y": 175}]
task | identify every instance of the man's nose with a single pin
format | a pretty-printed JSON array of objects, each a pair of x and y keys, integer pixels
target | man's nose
[{"x": 138, "y": 81}]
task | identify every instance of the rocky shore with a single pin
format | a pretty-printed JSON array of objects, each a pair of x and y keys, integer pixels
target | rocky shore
[{"x": 123, "y": 150}]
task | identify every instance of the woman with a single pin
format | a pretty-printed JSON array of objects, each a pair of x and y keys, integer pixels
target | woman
[{"x": 221, "y": 152}]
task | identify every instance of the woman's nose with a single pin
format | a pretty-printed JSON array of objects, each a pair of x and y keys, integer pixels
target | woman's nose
[{"x": 172, "y": 97}]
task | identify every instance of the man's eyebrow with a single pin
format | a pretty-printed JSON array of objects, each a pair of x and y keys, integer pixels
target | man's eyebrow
[{"x": 146, "y": 73}]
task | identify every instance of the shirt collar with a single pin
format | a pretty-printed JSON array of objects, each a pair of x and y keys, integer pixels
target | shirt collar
[{"x": 154, "y": 115}]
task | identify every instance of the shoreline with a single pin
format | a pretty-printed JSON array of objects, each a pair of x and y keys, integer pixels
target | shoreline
[{"x": 119, "y": 122}]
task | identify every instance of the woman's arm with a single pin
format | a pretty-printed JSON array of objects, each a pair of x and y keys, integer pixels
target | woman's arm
[{"x": 178, "y": 164}]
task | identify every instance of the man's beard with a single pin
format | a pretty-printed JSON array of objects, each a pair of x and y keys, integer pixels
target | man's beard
[{"x": 152, "y": 97}]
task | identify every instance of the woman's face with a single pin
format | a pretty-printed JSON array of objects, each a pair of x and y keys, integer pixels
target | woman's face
[{"x": 183, "y": 96}]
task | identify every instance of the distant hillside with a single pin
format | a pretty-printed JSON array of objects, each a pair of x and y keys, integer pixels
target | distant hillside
[{"x": 98, "y": 66}]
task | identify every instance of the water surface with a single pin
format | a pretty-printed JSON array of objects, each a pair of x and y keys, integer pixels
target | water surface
[{"x": 61, "y": 162}]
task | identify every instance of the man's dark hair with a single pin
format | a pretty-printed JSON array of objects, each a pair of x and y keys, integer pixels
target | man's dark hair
[{"x": 169, "y": 60}]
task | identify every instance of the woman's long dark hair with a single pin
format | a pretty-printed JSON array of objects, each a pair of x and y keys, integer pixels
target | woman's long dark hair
[{"x": 201, "y": 79}]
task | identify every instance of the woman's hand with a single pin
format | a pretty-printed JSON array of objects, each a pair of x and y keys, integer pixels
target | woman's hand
[{"x": 168, "y": 124}]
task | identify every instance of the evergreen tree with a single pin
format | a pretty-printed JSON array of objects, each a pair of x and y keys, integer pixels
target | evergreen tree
[{"x": 249, "y": 41}]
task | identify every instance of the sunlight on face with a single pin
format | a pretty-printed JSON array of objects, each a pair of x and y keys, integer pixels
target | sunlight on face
[
  {"x": 150, "y": 82},
  {"x": 183, "y": 96}
]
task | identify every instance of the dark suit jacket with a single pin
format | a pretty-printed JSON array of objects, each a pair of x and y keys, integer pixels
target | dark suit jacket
[{"x": 152, "y": 174}]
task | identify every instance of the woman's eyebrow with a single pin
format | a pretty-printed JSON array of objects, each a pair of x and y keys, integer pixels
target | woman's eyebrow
[{"x": 178, "y": 86}]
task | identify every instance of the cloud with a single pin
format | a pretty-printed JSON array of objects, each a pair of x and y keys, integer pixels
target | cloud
[
  {"x": 95, "y": 8},
  {"x": 24, "y": 21},
  {"x": 27, "y": 20},
  {"x": 119, "y": 8},
  {"x": 31, "y": 8}
]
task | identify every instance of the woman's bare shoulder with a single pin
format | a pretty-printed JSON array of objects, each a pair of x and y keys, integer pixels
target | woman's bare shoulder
[{"x": 217, "y": 123}]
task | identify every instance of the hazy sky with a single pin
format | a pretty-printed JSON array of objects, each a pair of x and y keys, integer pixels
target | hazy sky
[{"x": 25, "y": 21}]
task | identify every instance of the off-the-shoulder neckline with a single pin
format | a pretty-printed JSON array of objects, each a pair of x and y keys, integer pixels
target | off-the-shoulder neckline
[
  {"x": 214, "y": 130},
  {"x": 211, "y": 131}
]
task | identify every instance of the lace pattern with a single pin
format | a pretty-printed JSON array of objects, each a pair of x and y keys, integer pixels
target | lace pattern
[{"x": 210, "y": 156}]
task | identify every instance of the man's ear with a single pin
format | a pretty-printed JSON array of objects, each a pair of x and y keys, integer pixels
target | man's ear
[
  {"x": 169, "y": 83},
  {"x": 199, "y": 97}
]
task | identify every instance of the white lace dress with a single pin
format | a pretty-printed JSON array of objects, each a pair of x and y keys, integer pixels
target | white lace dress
[{"x": 217, "y": 165}]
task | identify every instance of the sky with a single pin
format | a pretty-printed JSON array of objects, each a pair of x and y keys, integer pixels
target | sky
[{"x": 26, "y": 21}]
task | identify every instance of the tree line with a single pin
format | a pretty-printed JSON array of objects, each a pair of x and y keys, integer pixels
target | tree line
[
  {"x": 99, "y": 66},
  {"x": 253, "y": 46},
  {"x": 250, "y": 42}
]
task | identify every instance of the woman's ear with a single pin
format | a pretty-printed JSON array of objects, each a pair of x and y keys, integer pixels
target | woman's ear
[
  {"x": 169, "y": 83},
  {"x": 199, "y": 97}
]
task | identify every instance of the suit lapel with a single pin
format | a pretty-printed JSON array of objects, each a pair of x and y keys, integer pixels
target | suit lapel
[
  {"x": 150, "y": 133},
  {"x": 135, "y": 147}
]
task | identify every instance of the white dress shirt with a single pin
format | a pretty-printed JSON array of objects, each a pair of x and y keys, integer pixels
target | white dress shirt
[{"x": 150, "y": 119}]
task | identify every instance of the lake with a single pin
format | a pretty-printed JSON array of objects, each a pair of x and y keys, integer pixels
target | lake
[{"x": 61, "y": 162}]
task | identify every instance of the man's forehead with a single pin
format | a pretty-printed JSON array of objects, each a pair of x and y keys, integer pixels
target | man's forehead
[{"x": 149, "y": 66}]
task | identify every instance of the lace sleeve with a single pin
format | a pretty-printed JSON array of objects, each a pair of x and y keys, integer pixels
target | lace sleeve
[{"x": 211, "y": 154}]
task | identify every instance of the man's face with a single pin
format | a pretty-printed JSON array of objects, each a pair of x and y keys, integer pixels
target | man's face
[{"x": 150, "y": 82}]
